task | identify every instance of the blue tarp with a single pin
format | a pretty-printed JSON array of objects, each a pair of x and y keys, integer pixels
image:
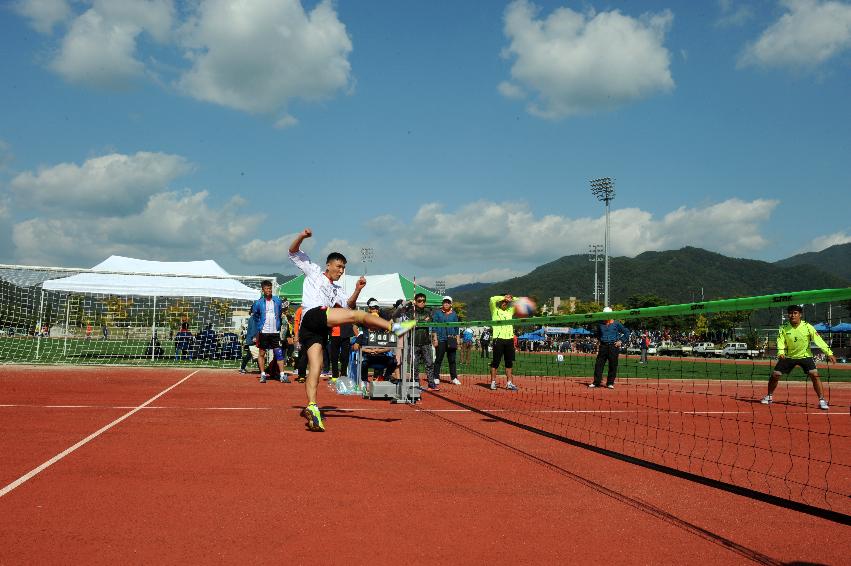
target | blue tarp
[
  {"x": 579, "y": 331},
  {"x": 841, "y": 327},
  {"x": 531, "y": 337},
  {"x": 822, "y": 327}
]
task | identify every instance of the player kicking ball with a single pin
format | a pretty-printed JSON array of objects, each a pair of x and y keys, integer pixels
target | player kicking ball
[{"x": 320, "y": 292}]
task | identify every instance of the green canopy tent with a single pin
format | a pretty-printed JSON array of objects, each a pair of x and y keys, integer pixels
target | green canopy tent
[{"x": 387, "y": 289}]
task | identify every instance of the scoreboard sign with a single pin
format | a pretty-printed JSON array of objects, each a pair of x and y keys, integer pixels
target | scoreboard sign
[{"x": 382, "y": 339}]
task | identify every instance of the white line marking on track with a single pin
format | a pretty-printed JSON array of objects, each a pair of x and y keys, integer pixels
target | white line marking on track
[{"x": 31, "y": 474}]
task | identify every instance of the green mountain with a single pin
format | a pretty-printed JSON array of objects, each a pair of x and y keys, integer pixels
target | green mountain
[
  {"x": 679, "y": 276},
  {"x": 835, "y": 259}
]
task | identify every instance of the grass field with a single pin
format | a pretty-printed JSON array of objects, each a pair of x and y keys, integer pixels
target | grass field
[{"x": 132, "y": 352}]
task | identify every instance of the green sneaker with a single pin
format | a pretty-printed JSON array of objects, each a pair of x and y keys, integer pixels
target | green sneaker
[
  {"x": 400, "y": 328},
  {"x": 314, "y": 418}
]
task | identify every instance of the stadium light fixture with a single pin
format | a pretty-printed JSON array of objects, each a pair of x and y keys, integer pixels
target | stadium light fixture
[
  {"x": 366, "y": 256},
  {"x": 594, "y": 255},
  {"x": 604, "y": 189}
]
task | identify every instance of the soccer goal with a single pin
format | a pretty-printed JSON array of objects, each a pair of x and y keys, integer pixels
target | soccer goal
[{"x": 189, "y": 312}]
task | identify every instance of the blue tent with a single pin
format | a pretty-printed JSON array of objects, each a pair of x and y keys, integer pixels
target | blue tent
[
  {"x": 579, "y": 331},
  {"x": 822, "y": 327},
  {"x": 841, "y": 327},
  {"x": 531, "y": 337}
]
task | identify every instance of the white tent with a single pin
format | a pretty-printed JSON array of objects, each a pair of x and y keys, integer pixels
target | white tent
[{"x": 129, "y": 276}]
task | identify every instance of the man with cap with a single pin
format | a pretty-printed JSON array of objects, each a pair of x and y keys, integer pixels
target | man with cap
[
  {"x": 612, "y": 335},
  {"x": 793, "y": 349},
  {"x": 445, "y": 341}
]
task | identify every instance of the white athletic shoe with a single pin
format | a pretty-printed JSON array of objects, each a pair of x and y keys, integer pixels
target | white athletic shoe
[
  {"x": 592, "y": 385},
  {"x": 822, "y": 404},
  {"x": 493, "y": 385},
  {"x": 456, "y": 381},
  {"x": 766, "y": 400}
]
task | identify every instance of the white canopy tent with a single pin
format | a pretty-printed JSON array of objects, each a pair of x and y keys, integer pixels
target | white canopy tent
[{"x": 128, "y": 276}]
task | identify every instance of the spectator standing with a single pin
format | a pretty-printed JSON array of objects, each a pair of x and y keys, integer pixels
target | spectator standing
[
  {"x": 611, "y": 334},
  {"x": 183, "y": 343},
  {"x": 484, "y": 341},
  {"x": 793, "y": 349},
  {"x": 445, "y": 341},
  {"x": 503, "y": 339},
  {"x": 248, "y": 341},
  {"x": 467, "y": 338},
  {"x": 268, "y": 313},
  {"x": 644, "y": 345},
  {"x": 419, "y": 312}
]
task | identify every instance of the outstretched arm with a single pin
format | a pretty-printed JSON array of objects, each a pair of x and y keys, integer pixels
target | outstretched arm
[
  {"x": 353, "y": 298},
  {"x": 302, "y": 236}
]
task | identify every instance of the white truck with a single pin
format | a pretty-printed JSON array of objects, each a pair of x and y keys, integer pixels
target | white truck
[
  {"x": 670, "y": 348},
  {"x": 737, "y": 350},
  {"x": 704, "y": 349}
]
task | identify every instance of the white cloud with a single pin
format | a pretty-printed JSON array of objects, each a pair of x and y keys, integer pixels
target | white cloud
[
  {"x": 489, "y": 232},
  {"x": 808, "y": 34},
  {"x": 114, "y": 183},
  {"x": 100, "y": 47},
  {"x": 258, "y": 56},
  {"x": 577, "y": 63},
  {"x": 43, "y": 14},
  {"x": 173, "y": 226},
  {"x": 268, "y": 252},
  {"x": 286, "y": 121},
  {"x": 734, "y": 13},
  {"x": 824, "y": 242}
]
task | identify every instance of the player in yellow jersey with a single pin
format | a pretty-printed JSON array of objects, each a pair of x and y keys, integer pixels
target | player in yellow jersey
[{"x": 793, "y": 349}]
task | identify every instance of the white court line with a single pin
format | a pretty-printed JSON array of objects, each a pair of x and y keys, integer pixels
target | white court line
[{"x": 31, "y": 474}]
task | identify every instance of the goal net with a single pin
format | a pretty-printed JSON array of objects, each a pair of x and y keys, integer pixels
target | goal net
[{"x": 80, "y": 316}]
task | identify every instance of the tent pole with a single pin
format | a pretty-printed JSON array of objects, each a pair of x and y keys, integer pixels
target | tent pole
[{"x": 38, "y": 326}]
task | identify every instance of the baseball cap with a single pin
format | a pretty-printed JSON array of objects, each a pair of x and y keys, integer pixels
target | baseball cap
[
  {"x": 447, "y": 298},
  {"x": 607, "y": 309}
]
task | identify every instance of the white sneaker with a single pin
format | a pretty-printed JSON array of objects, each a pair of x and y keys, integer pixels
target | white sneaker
[
  {"x": 822, "y": 404},
  {"x": 610, "y": 386},
  {"x": 766, "y": 400},
  {"x": 592, "y": 385},
  {"x": 456, "y": 381},
  {"x": 493, "y": 385},
  {"x": 511, "y": 387}
]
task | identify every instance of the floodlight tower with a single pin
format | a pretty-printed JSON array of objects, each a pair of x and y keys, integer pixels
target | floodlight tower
[
  {"x": 366, "y": 256},
  {"x": 594, "y": 255},
  {"x": 440, "y": 286},
  {"x": 604, "y": 189}
]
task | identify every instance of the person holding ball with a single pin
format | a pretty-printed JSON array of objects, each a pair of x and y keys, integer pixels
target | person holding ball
[{"x": 502, "y": 308}]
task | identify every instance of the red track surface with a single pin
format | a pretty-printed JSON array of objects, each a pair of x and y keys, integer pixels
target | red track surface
[{"x": 220, "y": 469}]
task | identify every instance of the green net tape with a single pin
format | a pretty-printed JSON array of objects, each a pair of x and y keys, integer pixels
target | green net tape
[{"x": 778, "y": 300}]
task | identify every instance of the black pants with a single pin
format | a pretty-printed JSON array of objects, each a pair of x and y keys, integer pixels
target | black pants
[
  {"x": 438, "y": 360},
  {"x": 338, "y": 350},
  {"x": 484, "y": 344},
  {"x": 246, "y": 357},
  {"x": 301, "y": 363},
  {"x": 608, "y": 352}
]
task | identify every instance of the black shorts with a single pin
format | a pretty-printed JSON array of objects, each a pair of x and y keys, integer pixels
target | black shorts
[
  {"x": 503, "y": 348},
  {"x": 268, "y": 341},
  {"x": 786, "y": 365},
  {"x": 314, "y": 328}
]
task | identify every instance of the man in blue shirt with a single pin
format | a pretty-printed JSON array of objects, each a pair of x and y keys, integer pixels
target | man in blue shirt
[
  {"x": 612, "y": 335},
  {"x": 268, "y": 312},
  {"x": 445, "y": 341}
]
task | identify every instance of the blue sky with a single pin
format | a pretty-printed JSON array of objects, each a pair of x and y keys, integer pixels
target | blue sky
[{"x": 456, "y": 139}]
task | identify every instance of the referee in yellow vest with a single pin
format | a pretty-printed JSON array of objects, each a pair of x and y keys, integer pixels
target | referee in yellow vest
[{"x": 793, "y": 349}]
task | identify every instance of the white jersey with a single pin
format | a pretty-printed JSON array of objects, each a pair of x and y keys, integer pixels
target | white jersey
[
  {"x": 270, "y": 325},
  {"x": 318, "y": 290}
]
